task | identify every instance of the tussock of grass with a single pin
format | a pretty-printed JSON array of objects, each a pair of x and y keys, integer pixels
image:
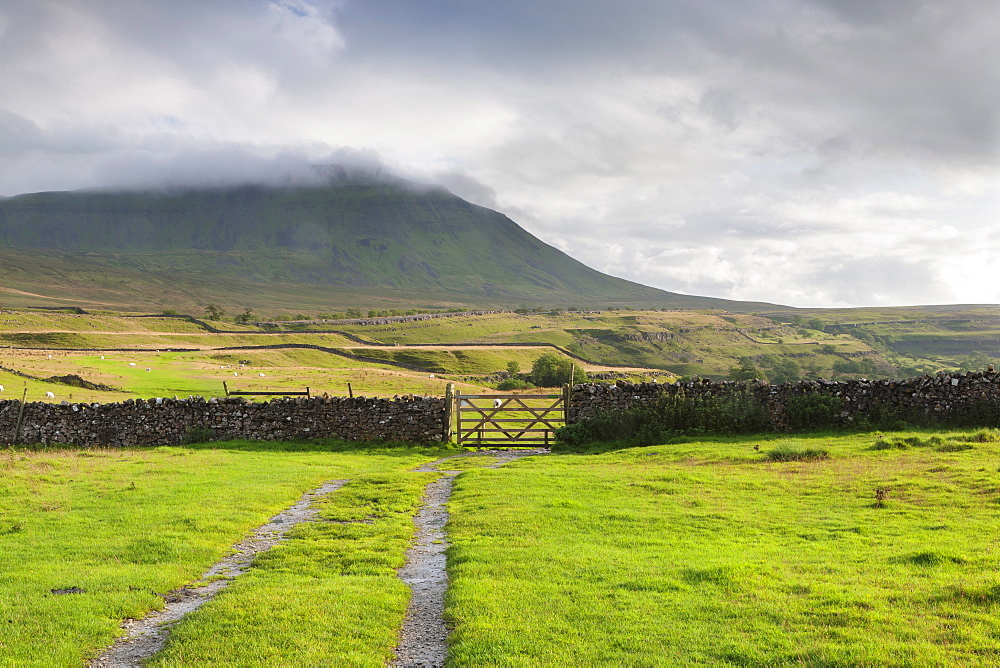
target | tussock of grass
[
  {"x": 955, "y": 447},
  {"x": 788, "y": 453},
  {"x": 930, "y": 558}
]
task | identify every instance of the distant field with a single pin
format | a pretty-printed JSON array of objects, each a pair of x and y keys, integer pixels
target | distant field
[{"x": 186, "y": 358}]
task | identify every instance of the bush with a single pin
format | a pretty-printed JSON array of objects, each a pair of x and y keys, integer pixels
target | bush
[
  {"x": 198, "y": 433},
  {"x": 659, "y": 420},
  {"x": 814, "y": 411},
  {"x": 514, "y": 384}
]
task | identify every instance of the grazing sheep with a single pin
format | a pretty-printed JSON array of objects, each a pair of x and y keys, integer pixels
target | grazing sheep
[
  {"x": 148, "y": 369},
  {"x": 131, "y": 363},
  {"x": 235, "y": 374},
  {"x": 1, "y": 388},
  {"x": 49, "y": 395},
  {"x": 497, "y": 403},
  {"x": 261, "y": 375}
]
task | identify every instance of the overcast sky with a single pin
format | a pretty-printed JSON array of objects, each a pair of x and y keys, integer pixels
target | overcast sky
[{"x": 804, "y": 152}]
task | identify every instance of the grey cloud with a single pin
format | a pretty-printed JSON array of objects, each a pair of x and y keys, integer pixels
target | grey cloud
[{"x": 723, "y": 130}]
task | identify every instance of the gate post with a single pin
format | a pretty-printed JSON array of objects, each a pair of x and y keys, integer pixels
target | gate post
[
  {"x": 567, "y": 396},
  {"x": 449, "y": 411}
]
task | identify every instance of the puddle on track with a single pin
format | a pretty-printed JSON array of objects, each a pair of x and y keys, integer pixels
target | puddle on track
[
  {"x": 423, "y": 638},
  {"x": 144, "y": 637}
]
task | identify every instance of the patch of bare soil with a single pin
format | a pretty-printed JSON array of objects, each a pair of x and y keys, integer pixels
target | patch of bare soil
[
  {"x": 423, "y": 638},
  {"x": 144, "y": 637}
]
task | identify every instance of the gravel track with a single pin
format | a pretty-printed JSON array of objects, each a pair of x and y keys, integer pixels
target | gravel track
[
  {"x": 144, "y": 637},
  {"x": 423, "y": 638}
]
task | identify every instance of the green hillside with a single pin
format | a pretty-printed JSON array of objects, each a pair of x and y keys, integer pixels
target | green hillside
[{"x": 378, "y": 241}]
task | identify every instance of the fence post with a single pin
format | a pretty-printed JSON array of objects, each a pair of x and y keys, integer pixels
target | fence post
[
  {"x": 449, "y": 411},
  {"x": 20, "y": 417},
  {"x": 350, "y": 391},
  {"x": 225, "y": 386}
]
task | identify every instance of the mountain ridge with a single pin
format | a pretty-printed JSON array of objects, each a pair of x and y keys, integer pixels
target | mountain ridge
[{"x": 377, "y": 237}]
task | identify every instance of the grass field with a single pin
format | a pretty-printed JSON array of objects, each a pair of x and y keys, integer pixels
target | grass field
[
  {"x": 708, "y": 553},
  {"x": 822, "y": 549},
  {"x": 126, "y": 525}
]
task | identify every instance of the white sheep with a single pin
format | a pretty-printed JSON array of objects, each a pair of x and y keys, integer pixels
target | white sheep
[
  {"x": 261, "y": 375},
  {"x": 235, "y": 374},
  {"x": 1, "y": 388},
  {"x": 148, "y": 369},
  {"x": 497, "y": 403},
  {"x": 131, "y": 363},
  {"x": 49, "y": 395}
]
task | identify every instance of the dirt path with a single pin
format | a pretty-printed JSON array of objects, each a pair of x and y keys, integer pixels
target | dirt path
[
  {"x": 144, "y": 637},
  {"x": 423, "y": 638}
]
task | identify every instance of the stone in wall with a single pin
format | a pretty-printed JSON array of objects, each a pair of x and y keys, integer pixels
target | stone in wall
[{"x": 138, "y": 422}]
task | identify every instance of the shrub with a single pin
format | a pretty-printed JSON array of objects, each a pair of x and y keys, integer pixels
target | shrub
[
  {"x": 198, "y": 433},
  {"x": 514, "y": 384},
  {"x": 673, "y": 414},
  {"x": 814, "y": 411}
]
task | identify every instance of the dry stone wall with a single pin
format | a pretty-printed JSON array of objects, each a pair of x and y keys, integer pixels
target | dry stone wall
[
  {"x": 168, "y": 421},
  {"x": 938, "y": 398}
]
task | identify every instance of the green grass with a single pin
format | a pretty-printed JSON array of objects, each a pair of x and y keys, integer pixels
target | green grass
[
  {"x": 126, "y": 525},
  {"x": 328, "y": 596},
  {"x": 705, "y": 552}
]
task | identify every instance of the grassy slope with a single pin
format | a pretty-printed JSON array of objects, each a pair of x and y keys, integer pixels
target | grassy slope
[
  {"x": 702, "y": 553},
  {"x": 381, "y": 237}
]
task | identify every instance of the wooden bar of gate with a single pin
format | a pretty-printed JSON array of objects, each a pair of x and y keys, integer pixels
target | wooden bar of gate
[{"x": 478, "y": 424}]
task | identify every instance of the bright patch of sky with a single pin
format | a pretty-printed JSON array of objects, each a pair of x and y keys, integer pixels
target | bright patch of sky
[{"x": 805, "y": 152}]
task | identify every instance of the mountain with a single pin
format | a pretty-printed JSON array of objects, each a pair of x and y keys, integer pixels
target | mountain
[{"x": 344, "y": 242}]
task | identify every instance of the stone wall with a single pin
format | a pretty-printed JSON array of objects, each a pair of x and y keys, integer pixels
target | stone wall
[
  {"x": 938, "y": 397},
  {"x": 167, "y": 421}
]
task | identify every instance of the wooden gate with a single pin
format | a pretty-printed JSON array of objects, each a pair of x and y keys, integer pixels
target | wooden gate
[{"x": 509, "y": 420}]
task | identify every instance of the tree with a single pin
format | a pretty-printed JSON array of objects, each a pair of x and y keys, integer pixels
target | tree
[
  {"x": 513, "y": 367},
  {"x": 551, "y": 370},
  {"x": 246, "y": 317},
  {"x": 214, "y": 312}
]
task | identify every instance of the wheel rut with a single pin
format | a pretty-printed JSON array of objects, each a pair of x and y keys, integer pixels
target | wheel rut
[
  {"x": 423, "y": 638},
  {"x": 145, "y": 637}
]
